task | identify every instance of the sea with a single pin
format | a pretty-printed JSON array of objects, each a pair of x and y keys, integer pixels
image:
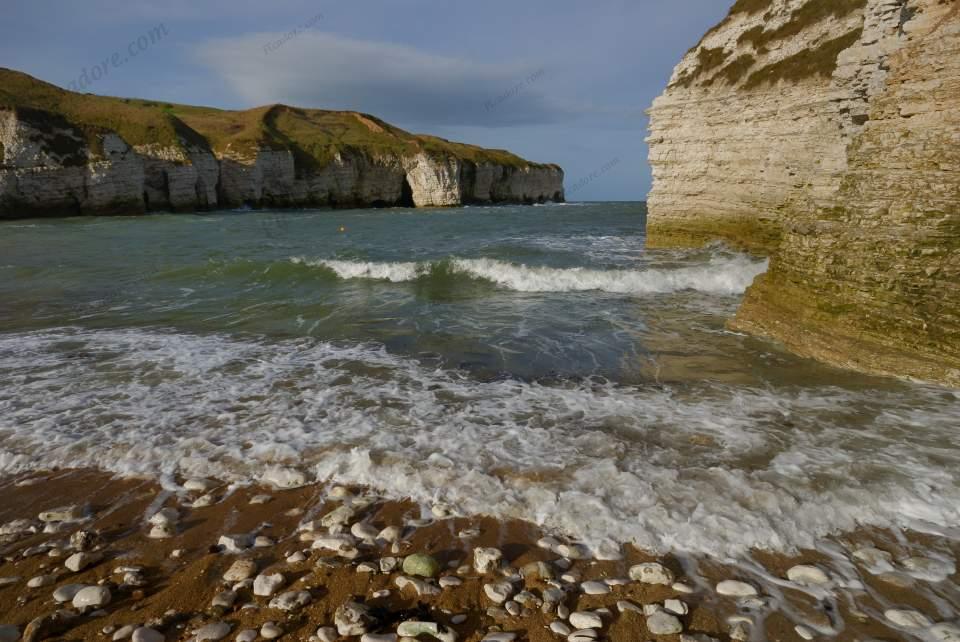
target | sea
[{"x": 522, "y": 362}]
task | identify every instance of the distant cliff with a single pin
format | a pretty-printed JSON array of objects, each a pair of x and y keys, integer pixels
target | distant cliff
[
  {"x": 64, "y": 153},
  {"x": 826, "y": 133}
]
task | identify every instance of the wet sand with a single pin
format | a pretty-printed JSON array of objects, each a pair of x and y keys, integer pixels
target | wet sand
[{"x": 181, "y": 574}]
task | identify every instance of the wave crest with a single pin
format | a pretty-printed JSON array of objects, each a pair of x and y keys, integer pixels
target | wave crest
[{"x": 728, "y": 275}]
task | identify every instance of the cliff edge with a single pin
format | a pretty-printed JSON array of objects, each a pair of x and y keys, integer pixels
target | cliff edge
[
  {"x": 826, "y": 133},
  {"x": 64, "y": 153}
]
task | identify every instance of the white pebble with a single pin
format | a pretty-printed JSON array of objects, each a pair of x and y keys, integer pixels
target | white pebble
[
  {"x": 651, "y": 573},
  {"x": 907, "y": 618},
  {"x": 807, "y": 575},
  {"x": 803, "y": 632},
  {"x": 560, "y": 628},
  {"x": 498, "y": 592},
  {"x": 734, "y": 588},
  {"x": 146, "y": 634},
  {"x": 595, "y": 588},
  {"x": 585, "y": 620},
  {"x": 267, "y": 585},
  {"x": 677, "y": 607},
  {"x": 663, "y": 623},
  {"x": 91, "y": 596},
  {"x": 270, "y": 631},
  {"x": 487, "y": 560}
]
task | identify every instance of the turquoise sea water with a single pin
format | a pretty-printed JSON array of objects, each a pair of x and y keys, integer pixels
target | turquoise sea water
[{"x": 526, "y": 361}]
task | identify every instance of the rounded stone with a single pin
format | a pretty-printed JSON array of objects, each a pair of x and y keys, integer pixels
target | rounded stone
[
  {"x": 651, "y": 573},
  {"x": 907, "y": 619},
  {"x": 420, "y": 564},
  {"x": 585, "y": 620},
  {"x": 267, "y": 585},
  {"x": 662, "y": 623},
  {"x": 146, "y": 634},
  {"x": 807, "y": 575},
  {"x": 734, "y": 588},
  {"x": 212, "y": 632},
  {"x": 91, "y": 596},
  {"x": 246, "y": 635},
  {"x": 67, "y": 592},
  {"x": 270, "y": 631}
]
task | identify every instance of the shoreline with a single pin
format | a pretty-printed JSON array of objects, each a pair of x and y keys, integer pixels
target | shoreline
[{"x": 856, "y": 602}]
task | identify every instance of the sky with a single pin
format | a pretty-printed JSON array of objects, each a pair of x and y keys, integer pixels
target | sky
[{"x": 559, "y": 81}]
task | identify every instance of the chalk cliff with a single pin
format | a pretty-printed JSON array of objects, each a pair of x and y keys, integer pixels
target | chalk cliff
[
  {"x": 826, "y": 133},
  {"x": 64, "y": 153}
]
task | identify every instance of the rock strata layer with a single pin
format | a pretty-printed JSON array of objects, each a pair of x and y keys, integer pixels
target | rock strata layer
[
  {"x": 63, "y": 153},
  {"x": 827, "y": 134}
]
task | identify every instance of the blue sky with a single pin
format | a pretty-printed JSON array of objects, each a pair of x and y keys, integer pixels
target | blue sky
[{"x": 559, "y": 81}]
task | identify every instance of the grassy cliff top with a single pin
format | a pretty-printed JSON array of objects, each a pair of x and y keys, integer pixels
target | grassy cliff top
[{"x": 314, "y": 136}]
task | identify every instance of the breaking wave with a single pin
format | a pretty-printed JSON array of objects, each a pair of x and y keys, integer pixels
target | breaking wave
[{"x": 729, "y": 275}]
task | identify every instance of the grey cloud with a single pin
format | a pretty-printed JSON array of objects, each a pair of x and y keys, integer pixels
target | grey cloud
[{"x": 396, "y": 82}]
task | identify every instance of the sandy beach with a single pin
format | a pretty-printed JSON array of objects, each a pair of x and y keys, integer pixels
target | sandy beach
[{"x": 315, "y": 550}]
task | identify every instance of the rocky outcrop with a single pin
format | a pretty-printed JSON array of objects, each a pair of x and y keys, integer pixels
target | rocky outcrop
[
  {"x": 826, "y": 134},
  {"x": 59, "y": 157}
]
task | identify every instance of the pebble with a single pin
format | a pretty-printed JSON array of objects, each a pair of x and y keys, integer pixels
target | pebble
[
  {"x": 378, "y": 637},
  {"x": 487, "y": 560},
  {"x": 874, "y": 559},
  {"x": 390, "y": 534},
  {"x": 225, "y": 599},
  {"x": 380, "y": 594},
  {"x": 499, "y": 636},
  {"x": 296, "y": 558},
  {"x": 91, "y": 596},
  {"x": 448, "y": 581},
  {"x": 9, "y": 633},
  {"x": 204, "y": 500},
  {"x": 583, "y": 635},
  {"x": 460, "y": 618},
  {"x": 260, "y": 499},
  {"x": 498, "y": 592},
  {"x": 573, "y": 551},
  {"x": 246, "y": 635},
  {"x": 420, "y": 564},
  {"x": 804, "y": 632},
  {"x": 270, "y": 631},
  {"x": 291, "y": 600},
  {"x": 9, "y": 579},
  {"x": 146, "y": 634},
  {"x": 339, "y": 516},
  {"x": 198, "y": 485},
  {"x": 537, "y": 571},
  {"x": 162, "y": 531},
  {"x": 680, "y": 587},
  {"x": 651, "y": 573},
  {"x": 563, "y": 611},
  {"x": 366, "y": 567},
  {"x": 352, "y": 619},
  {"x": 623, "y": 606},
  {"x": 122, "y": 633},
  {"x": 907, "y": 618},
  {"x": 734, "y": 588},
  {"x": 64, "y": 514},
  {"x": 82, "y": 560},
  {"x": 677, "y": 607},
  {"x": 388, "y": 564},
  {"x": 213, "y": 631},
  {"x": 560, "y": 628},
  {"x": 262, "y": 541},
  {"x": 416, "y": 628},
  {"x": 513, "y": 608},
  {"x": 364, "y": 531},
  {"x": 663, "y": 623},
  {"x": 267, "y": 585},
  {"x": 41, "y": 580},
  {"x": 422, "y": 587},
  {"x": 585, "y": 620},
  {"x": 807, "y": 575},
  {"x": 234, "y": 543},
  {"x": 67, "y": 592},
  {"x": 595, "y": 588},
  {"x": 327, "y": 634},
  {"x": 240, "y": 570}
]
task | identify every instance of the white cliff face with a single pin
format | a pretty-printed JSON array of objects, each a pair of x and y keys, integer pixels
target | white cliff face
[
  {"x": 34, "y": 180},
  {"x": 830, "y": 144}
]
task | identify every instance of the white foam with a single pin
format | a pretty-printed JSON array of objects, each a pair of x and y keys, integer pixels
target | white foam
[
  {"x": 720, "y": 275},
  {"x": 594, "y": 460}
]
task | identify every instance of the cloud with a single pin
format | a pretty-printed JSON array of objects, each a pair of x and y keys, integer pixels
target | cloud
[{"x": 396, "y": 82}]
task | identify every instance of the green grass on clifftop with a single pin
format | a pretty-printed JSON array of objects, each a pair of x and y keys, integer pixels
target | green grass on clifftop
[{"x": 313, "y": 136}]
